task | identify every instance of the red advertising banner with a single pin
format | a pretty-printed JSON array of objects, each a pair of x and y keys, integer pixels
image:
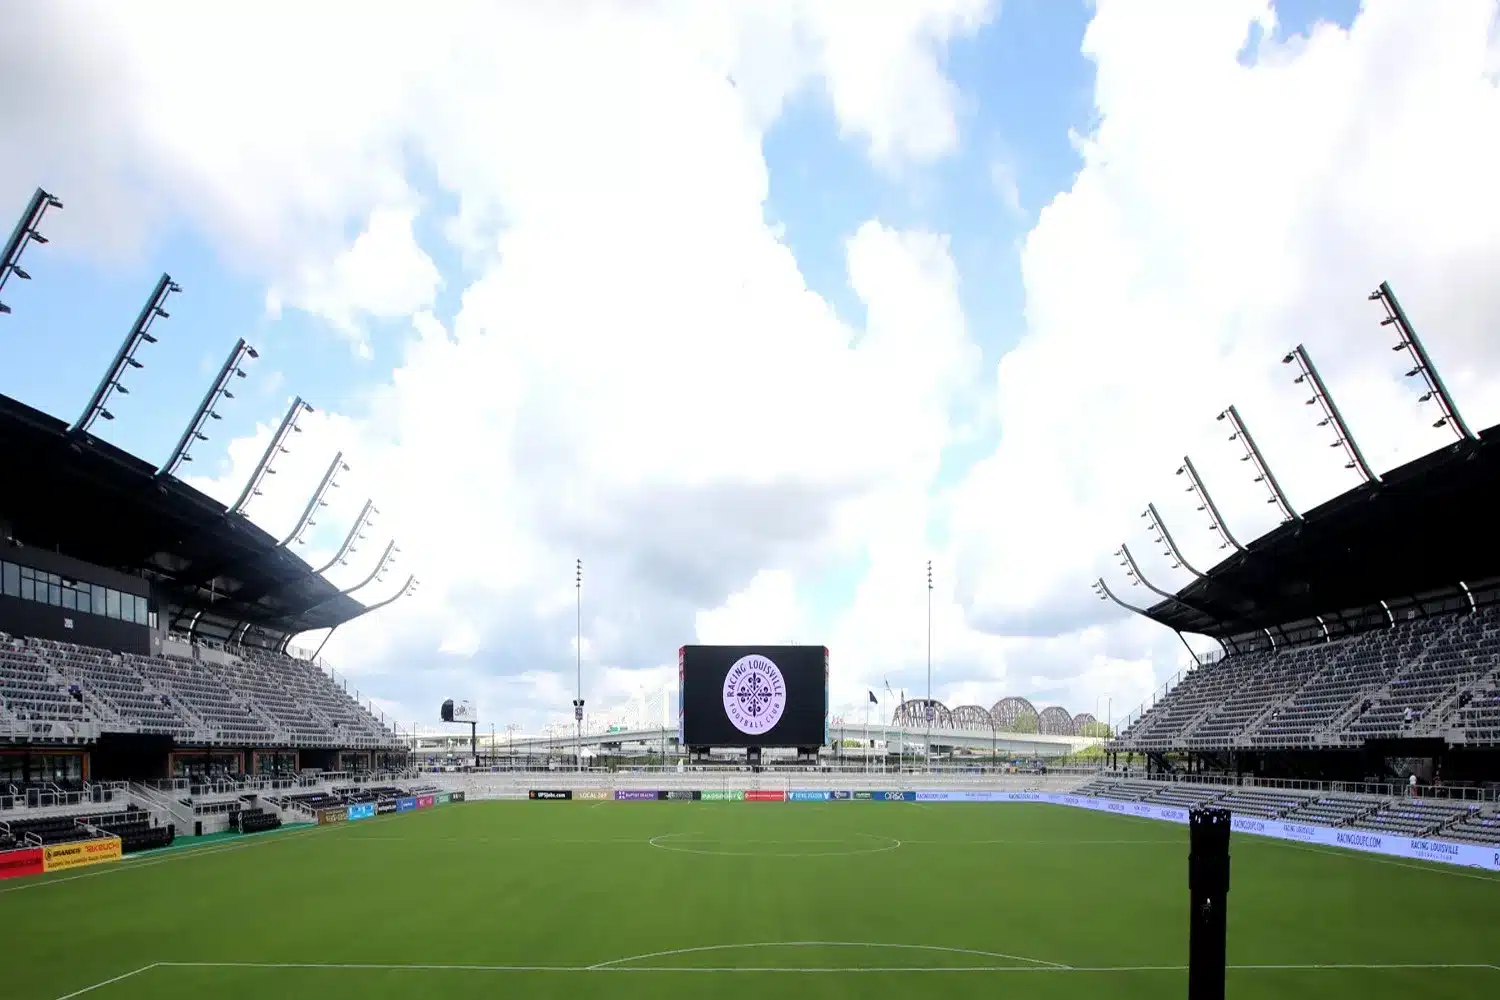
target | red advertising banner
[
  {"x": 762, "y": 796},
  {"x": 14, "y": 864},
  {"x": 425, "y": 801}
]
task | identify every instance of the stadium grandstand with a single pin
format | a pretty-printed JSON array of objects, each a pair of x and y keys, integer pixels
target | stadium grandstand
[
  {"x": 1360, "y": 640},
  {"x": 147, "y": 674}
]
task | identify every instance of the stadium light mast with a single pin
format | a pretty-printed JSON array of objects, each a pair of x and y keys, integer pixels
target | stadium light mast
[
  {"x": 1410, "y": 342},
  {"x": 125, "y": 356},
  {"x": 578, "y": 649},
  {"x": 276, "y": 447},
  {"x": 378, "y": 573},
  {"x": 1263, "y": 473},
  {"x": 1308, "y": 373},
  {"x": 1133, "y": 571},
  {"x": 23, "y": 236},
  {"x": 1164, "y": 538},
  {"x": 929, "y": 710},
  {"x": 1101, "y": 589},
  {"x": 231, "y": 370},
  {"x": 1206, "y": 504},
  {"x": 329, "y": 482},
  {"x": 356, "y": 535}
]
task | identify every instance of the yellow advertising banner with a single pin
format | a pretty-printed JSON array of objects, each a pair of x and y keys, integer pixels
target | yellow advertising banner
[
  {"x": 593, "y": 793},
  {"x": 80, "y": 854}
]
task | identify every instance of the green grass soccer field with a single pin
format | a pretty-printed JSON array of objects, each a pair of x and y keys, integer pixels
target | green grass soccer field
[{"x": 737, "y": 900}]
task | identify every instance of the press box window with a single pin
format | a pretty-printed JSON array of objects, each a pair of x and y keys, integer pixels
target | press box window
[{"x": 10, "y": 579}]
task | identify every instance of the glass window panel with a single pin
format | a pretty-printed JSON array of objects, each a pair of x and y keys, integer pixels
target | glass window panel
[
  {"x": 70, "y": 599},
  {"x": 142, "y": 611},
  {"x": 83, "y": 597},
  {"x": 28, "y": 589},
  {"x": 54, "y": 580},
  {"x": 151, "y": 619},
  {"x": 112, "y": 603},
  {"x": 98, "y": 601},
  {"x": 54, "y": 595},
  {"x": 27, "y": 573},
  {"x": 12, "y": 579},
  {"x": 128, "y": 609}
]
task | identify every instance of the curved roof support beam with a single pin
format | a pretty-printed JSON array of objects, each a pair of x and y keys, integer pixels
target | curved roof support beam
[
  {"x": 1263, "y": 473},
  {"x": 276, "y": 447},
  {"x": 206, "y": 412},
  {"x": 140, "y": 332},
  {"x": 408, "y": 588},
  {"x": 355, "y": 535},
  {"x": 1410, "y": 342},
  {"x": 1308, "y": 373},
  {"x": 1206, "y": 504},
  {"x": 1134, "y": 572},
  {"x": 1164, "y": 537},
  {"x": 328, "y": 482},
  {"x": 23, "y": 236},
  {"x": 1105, "y": 594}
]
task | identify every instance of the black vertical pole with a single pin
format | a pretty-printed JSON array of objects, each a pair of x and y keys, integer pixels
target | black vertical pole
[{"x": 1208, "y": 889}]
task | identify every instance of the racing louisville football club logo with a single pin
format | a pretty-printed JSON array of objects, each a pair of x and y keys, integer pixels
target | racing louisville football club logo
[{"x": 754, "y": 694}]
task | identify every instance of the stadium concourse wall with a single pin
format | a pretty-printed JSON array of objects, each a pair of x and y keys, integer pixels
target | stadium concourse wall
[{"x": 746, "y": 787}]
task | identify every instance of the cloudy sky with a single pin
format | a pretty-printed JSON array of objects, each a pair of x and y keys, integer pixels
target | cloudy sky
[{"x": 756, "y": 308}]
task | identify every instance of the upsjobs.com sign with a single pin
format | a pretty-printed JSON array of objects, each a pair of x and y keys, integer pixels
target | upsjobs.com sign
[{"x": 550, "y": 794}]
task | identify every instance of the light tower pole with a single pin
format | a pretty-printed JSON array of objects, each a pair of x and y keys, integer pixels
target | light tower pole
[
  {"x": 930, "y": 711},
  {"x": 578, "y": 649}
]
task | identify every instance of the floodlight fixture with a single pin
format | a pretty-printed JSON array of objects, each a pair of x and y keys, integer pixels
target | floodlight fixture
[
  {"x": 1412, "y": 344},
  {"x": 217, "y": 390},
  {"x": 23, "y": 236},
  {"x": 125, "y": 357}
]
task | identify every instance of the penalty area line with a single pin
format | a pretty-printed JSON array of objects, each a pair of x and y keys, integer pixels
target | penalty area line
[{"x": 108, "y": 982}]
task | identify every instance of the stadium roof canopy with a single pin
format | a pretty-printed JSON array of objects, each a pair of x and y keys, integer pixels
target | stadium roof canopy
[
  {"x": 1414, "y": 540},
  {"x": 90, "y": 500}
]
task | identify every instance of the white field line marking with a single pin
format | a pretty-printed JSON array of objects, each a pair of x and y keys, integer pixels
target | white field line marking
[
  {"x": 827, "y": 944},
  {"x": 107, "y": 982},
  {"x": 1039, "y": 969}
]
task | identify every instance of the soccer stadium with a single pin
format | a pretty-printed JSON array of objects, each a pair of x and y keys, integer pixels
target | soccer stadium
[
  {"x": 717, "y": 300},
  {"x": 190, "y": 805}
]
